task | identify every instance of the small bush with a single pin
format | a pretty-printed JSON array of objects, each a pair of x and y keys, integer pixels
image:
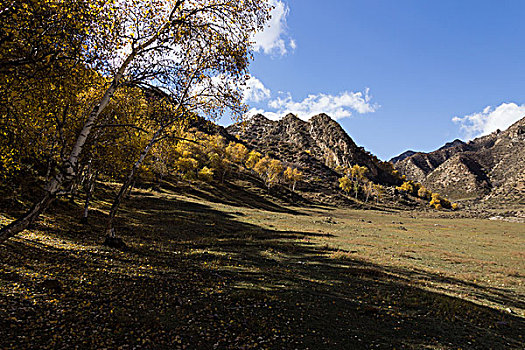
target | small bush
[{"x": 206, "y": 174}]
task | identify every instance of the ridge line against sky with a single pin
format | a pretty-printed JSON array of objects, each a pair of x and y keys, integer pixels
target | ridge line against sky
[{"x": 409, "y": 75}]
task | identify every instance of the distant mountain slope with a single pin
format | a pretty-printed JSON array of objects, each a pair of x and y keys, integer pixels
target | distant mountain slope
[
  {"x": 455, "y": 143},
  {"x": 402, "y": 156},
  {"x": 459, "y": 177},
  {"x": 209, "y": 127},
  {"x": 490, "y": 167}
]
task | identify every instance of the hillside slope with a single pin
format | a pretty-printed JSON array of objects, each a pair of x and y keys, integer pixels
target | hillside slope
[
  {"x": 318, "y": 147},
  {"x": 489, "y": 167}
]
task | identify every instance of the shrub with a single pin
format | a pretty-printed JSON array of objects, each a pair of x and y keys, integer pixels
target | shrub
[
  {"x": 424, "y": 193},
  {"x": 206, "y": 174},
  {"x": 410, "y": 187},
  {"x": 237, "y": 152},
  {"x": 439, "y": 203},
  {"x": 253, "y": 158},
  {"x": 345, "y": 184}
]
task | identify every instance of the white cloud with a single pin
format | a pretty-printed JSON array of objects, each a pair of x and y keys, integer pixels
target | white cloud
[
  {"x": 269, "y": 115},
  {"x": 336, "y": 106},
  {"x": 255, "y": 91},
  {"x": 271, "y": 40},
  {"x": 490, "y": 120}
]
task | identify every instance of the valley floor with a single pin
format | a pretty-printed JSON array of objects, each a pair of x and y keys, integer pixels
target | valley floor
[{"x": 208, "y": 272}]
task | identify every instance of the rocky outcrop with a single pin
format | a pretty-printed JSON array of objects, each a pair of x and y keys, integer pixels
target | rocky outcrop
[
  {"x": 208, "y": 127},
  {"x": 456, "y": 143},
  {"x": 319, "y": 146},
  {"x": 459, "y": 177},
  {"x": 402, "y": 156},
  {"x": 490, "y": 167},
  {"x": 338, "y": 149}
]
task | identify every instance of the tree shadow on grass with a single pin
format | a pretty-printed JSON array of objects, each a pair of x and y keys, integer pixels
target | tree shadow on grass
[
  {"x": 230, "y": 193},
  {"x": 198, "y": 278}
]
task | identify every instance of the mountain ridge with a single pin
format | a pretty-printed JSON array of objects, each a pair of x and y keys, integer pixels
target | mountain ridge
[
  {"x": 489, "y": 167},
  {"x": 486, "y": 168},
  {"x": 319, "y": 147},
  {"x": 321, "y": 137}
]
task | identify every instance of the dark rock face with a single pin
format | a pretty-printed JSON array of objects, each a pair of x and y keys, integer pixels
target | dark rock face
[
  {"x": 489, "y": 167},
  {"x": 455, "y": 143},
  {"x": 209, "y": 127},
  {"x": 318, "y": 146},
  {"x": 402, "y": 156}
]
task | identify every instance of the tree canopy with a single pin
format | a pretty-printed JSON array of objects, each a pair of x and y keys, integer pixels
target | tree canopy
[{"x": 80, "y": 75}]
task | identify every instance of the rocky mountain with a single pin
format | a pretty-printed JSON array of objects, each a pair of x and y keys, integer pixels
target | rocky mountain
[
  {"x": 317, "y": 147},
  {"x": 455, "y": 143},
  {"x": 402, "y": 156},
  {"x": 209, "y": 127},
  {"x": 489, "y": 167}
]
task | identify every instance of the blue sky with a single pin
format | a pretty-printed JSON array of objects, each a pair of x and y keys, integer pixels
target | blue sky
[{"x": 436, "y": 70}]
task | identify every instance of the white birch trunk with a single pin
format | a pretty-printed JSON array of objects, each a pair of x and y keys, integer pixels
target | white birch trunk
[
  {"x": 110, "y": 230},
  {"x": 68, "y": 172}
]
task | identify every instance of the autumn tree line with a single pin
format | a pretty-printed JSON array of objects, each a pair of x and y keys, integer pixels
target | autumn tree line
[
  {"x": 356, "y": 183},
  {"x": 197, "y": 156},
  {"x": 435, "y": 200},
  {"x": 98, "y": 88}
]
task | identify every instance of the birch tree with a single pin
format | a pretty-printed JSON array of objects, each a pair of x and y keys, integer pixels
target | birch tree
[
  {"x": 42, "y": 72},
  {"x": 201, "y": 74},
  {"x": 176, "y": 46},
  {"x": 292, "y": 176}
]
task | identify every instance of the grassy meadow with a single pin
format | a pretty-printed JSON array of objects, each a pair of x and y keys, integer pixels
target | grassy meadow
[{"x": 212, "y": 269}]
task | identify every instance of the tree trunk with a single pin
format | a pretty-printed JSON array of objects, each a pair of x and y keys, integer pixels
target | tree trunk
[
  {"x": 110, "y": 230},
  {"x": 73, "y": 191},
  {"x": 68, "y": 170},
  {"x": 131, "y": 188},
  {"x": 78, "y": 181},
  {"x": 29, "y": 218},
  {"x": 92, "y": 179},
  {"x": 49, "y": 166}
]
